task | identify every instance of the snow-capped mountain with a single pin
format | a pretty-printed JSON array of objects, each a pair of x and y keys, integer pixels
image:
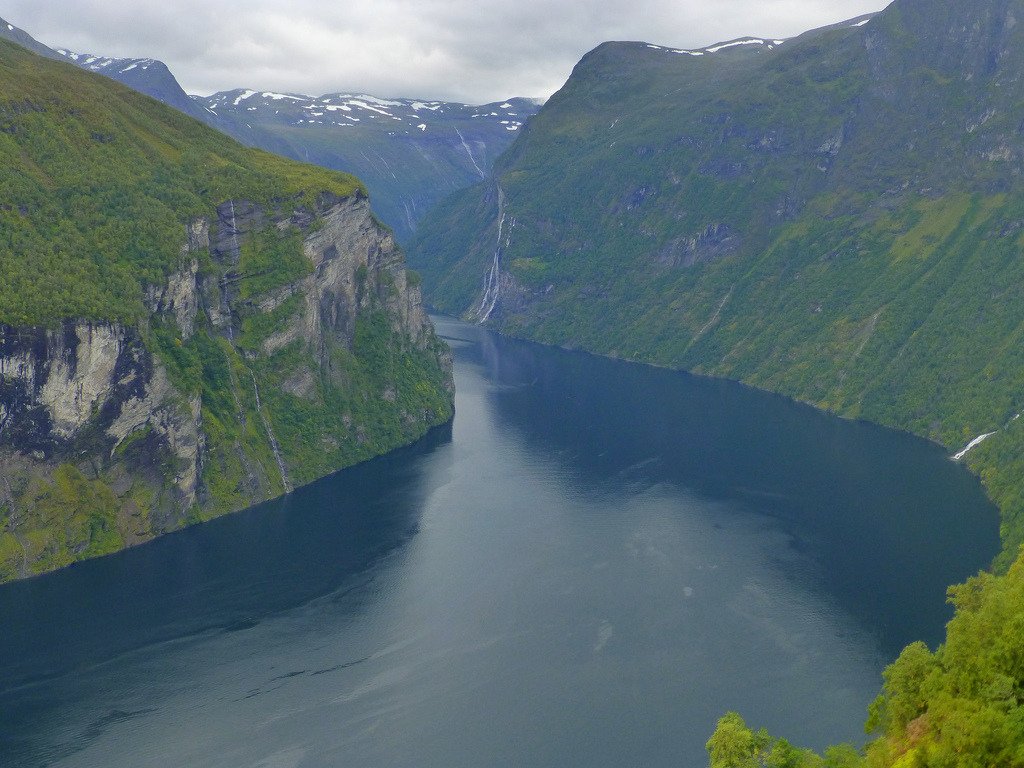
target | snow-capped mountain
[
  {"x": 346, "y": 110},
  {"x": 411, "y": 153},
  {"x": 106, "y": 66},
  {"x": 148, "y": 76}
]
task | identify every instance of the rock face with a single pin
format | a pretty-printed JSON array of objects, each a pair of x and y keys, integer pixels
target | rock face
[{"x": 111, "y": 435}]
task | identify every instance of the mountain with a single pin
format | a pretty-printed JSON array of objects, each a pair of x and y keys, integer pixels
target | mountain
[
  {"x": 187, "y": 326},
  {"x": 410, "y": 153},
  {"x": 147, "y": 76},
  {"x": 15, "y": 35},
  {"x": 838, "y": 217}
]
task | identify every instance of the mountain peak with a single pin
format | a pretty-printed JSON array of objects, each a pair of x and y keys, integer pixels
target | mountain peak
[
  {"x": 12, "y": 33},
  {"x": 752, "y": 42},
  {"x": 107, "y": 65}
]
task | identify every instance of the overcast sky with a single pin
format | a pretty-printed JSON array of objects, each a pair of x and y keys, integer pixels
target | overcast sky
[{"x": 461, "y": 50}]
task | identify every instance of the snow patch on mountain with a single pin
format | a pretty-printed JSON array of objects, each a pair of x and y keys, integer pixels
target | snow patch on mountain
[
  {"x": 106, "y": 65},
  {"x": 344, "y": 109},
  {"x": 770, "y": 43},
  {"x": 733, "y": 44},
  {"x": 719, "y": 46}
]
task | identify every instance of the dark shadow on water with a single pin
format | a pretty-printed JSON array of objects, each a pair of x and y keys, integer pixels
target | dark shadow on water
[{"x": 225, "y": 575}]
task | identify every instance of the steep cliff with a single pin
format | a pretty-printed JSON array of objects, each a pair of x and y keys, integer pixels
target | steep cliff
[{"x": 187, "y": 327}]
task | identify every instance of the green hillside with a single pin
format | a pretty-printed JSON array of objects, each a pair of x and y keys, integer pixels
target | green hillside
[
  {"x": 838, "y": 218},
  {"x": 96, "y": 183}
]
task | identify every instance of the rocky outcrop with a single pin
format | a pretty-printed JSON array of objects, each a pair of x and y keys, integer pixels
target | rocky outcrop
[
  {"x": 55, "y": 383},
  {"x": 180, "y": 296},
  {"x": 350, "y": 244},
  {"x": 713, "y": 242},
  {"x": 132, "y": 431}
]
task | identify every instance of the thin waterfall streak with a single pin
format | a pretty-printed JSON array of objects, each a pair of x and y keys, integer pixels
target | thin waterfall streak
[
  {"x": 274, "y": 446},
  {"x": 469, "y": 152},
  {"x": 492, "y": 283},
  {"x": 235, "y": 254}
]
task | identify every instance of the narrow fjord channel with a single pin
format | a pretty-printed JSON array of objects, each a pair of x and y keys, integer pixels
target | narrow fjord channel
[{"x": 589, "y": 567}]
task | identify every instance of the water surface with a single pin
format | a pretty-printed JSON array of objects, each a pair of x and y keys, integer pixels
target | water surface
[{"x": 593, "y": 563}]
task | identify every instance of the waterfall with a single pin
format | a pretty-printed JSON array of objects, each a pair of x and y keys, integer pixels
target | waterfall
[
  {"x": 492, "y": 282},
  {"x": 225, "y": 308},
  {"x": 470, "y": 153},
  {"x": 234, "y": 230},
  {"x": 225, "y": 305},
  {"x": 270, "y": 435}
]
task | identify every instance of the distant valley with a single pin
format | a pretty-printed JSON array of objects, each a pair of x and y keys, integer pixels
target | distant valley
[{"x": 411, "y": 154}]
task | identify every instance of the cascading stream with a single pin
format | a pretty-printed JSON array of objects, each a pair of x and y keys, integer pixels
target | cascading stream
[
  {"x": 492, "y": 284},
  {"x": 274, "y": 446},
  {"x": 469, "y": 152},
  {"x": 225, "y": 305}
]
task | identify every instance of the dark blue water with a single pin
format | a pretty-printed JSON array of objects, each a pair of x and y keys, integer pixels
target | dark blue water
[{"x": 588, "y": 568}]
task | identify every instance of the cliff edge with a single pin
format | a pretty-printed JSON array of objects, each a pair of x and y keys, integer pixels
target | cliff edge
[{"x": 187, "y": 327}]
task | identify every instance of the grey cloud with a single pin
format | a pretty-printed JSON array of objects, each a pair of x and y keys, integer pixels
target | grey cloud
[{"x": 466, "y": 50}]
